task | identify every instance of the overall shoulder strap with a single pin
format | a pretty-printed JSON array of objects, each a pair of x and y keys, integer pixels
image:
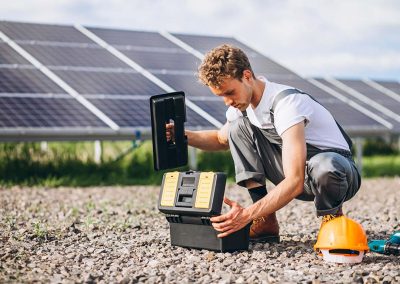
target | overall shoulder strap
[
  {"x": 279, "y": 97},
  {"x": 288, "y": 92}
]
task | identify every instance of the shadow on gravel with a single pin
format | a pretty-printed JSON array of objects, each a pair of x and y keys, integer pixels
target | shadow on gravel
[
  {"x": 381, "y": 259},
  {"x": 287, "y": 246}
]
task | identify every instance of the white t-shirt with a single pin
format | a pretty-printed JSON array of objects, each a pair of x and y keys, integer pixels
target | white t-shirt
[{"x": 321, "y": 129}]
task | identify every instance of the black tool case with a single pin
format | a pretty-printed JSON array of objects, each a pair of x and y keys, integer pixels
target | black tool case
[{"x": 188, "y": 199}]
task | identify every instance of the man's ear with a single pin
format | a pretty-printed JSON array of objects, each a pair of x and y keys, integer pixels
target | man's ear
[{"x": 247, "y": 75}]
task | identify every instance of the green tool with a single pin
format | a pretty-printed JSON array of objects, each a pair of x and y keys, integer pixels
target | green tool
[{"x": 390, "y": 246}]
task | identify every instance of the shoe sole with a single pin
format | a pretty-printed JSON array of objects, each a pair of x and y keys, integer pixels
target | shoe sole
[{"x": 266, "y": 239}]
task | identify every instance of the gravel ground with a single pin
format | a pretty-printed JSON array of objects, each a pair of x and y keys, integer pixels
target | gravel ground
[{"x": 117, "y": 235}]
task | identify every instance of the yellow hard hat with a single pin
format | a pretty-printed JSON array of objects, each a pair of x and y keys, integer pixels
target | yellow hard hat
[{"x": 342, "y": 240}]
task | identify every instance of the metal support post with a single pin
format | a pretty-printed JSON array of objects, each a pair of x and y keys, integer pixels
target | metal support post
[
  {"x": 44, "y": 146},
  {"x": 192, "y": 158},
  {"x": 98, "y": 151},
  {"x": 359, "y": 153}
]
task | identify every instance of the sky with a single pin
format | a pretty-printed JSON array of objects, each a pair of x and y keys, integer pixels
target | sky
[{"x": 314, "y": 38}]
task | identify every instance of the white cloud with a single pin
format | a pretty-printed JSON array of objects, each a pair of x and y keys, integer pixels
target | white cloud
[{"x": 353, "y": 37}]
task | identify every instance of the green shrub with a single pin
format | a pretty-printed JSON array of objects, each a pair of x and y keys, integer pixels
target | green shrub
[
  {"x": 378, "y": 146},
  {"x": 71, "y": 164},
  {"x": 217, "y": 162}
]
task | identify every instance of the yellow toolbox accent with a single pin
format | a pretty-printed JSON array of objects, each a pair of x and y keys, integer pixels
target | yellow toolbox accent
[
  {"x": 170, "y": 188},
  {"x": 204, "y": 190}
]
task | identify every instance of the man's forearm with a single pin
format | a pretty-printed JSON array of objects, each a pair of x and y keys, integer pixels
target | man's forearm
[{"x": 206, "y": 140}]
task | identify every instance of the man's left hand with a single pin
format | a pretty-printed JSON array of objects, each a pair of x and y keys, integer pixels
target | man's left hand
[{"x": 232, "y": 221}]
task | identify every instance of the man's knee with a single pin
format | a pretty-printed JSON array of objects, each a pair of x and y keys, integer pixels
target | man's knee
[
  {"x": 328, "y": 168},
  {"x": 239, "y": 130}
]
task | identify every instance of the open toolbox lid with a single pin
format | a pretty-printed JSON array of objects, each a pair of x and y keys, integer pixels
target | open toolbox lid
[{"x": 168, "y": 108}]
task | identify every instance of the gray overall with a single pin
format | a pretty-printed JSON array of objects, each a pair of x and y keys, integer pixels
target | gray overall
[{"x": 331, "y": 176}]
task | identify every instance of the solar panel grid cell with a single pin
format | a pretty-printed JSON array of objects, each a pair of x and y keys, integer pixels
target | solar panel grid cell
[
  {"x": 259, "y": 62},
  {"x": 136, "y": 113},
  {"x": 215, "y": 108},
  {"x": 73, "y": 56},
  {"x": 132, "y": 38},
  {"x": 45, "y": 112},
  {"x": 206, "y": 43},
  {"x": 391, "y": 107},
  {"x": 17, "y": 80},
  {"x": 366, "y": 90},
  {"x": 187, "y": 83},
  {"x": 42, "y": 32},
  {"x": 159, "y": 60},
  {"x": 393, "y": 86},
  {"x": 109, "y": 83},
  {"x": 360, "y": 102},
  {"x": 348, "y": 116},
  {"x": 374, "y": 95},
  {"x": 307, "y": 87},
  {"x": 9, "y": 56}
]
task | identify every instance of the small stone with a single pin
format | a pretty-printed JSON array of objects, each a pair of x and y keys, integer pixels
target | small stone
[
  {"x": 78, "y": 258},
  {"x": 228, "y": 262},
  {"x": 387, "y": 280},
  {"x": 210, "y": 256},
  {"x": 153, "y": 263}
]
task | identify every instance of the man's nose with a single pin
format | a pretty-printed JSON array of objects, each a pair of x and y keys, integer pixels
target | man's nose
[{"x": 227, "y": 101}]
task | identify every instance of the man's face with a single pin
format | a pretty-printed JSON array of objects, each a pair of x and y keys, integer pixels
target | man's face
[{"x": 234, "y": 92}]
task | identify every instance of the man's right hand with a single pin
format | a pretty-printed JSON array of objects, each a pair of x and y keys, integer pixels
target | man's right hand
[{"x": 170, "y": 132}]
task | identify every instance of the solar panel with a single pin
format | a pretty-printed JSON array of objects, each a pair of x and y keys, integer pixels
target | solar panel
[
  {"x": 133, "y": 38},
  {"x": 73, "y": 56},
  {"x": 26, "y": 80},
  {"x": 30, "y": 100},
  {"x": 42, "y": 32},
  {"x": 45, "y": 112},
  {"x": 136, "y": 113}
]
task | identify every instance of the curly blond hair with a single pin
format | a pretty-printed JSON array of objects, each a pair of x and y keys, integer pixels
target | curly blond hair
[{"x": 224, "y": 61}]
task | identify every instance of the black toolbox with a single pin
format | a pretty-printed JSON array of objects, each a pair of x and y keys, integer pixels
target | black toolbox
[{"x": 188, "y": 199}]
